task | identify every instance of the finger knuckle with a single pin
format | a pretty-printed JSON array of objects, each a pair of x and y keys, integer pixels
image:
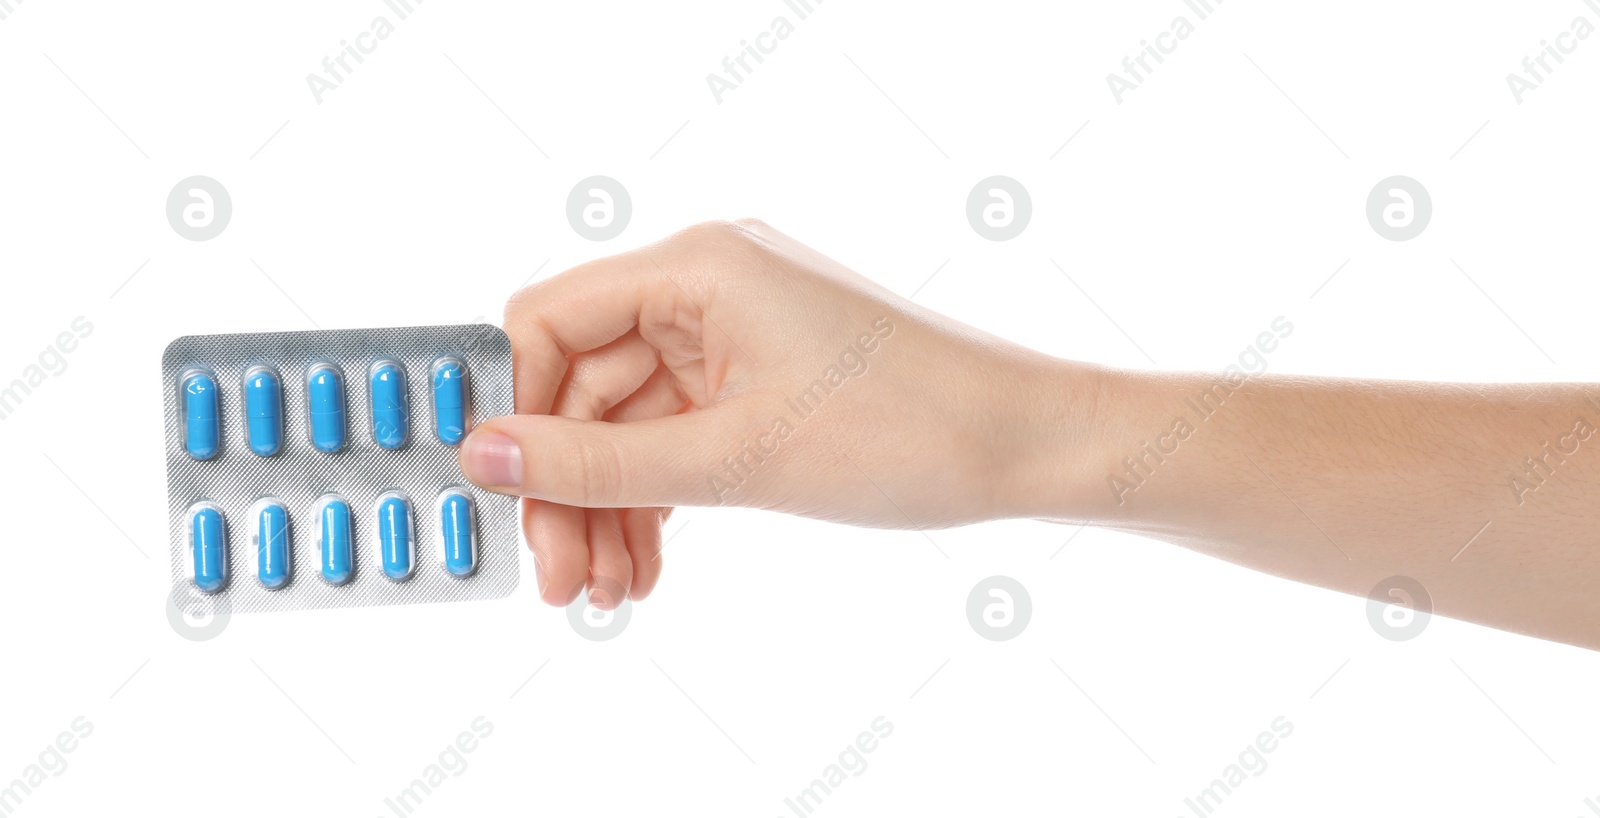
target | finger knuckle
[
  {"x": 732, "y": 237},
  {"x": 519, "y": 305},
  {"x": 589, "y": 406},
  {"x": 715, "y": 229},
  {"x": 593, "y": 470}
]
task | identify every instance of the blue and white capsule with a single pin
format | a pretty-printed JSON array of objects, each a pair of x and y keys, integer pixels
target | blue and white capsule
[
  {"x": 208, "y": 546},
  {"x": 335, "y": 539},
  {"x": 450, "y": 400},
  {"x": 271, "y": 543},
  {"x": 397, "y": 541},
  {"x": 198, "y": 391},
  {"x": 263, "y": 410},
  {"x": 325, "y": 402},
  {"x": 458, "y": 529},
  {"x": 387, "y": 387}
]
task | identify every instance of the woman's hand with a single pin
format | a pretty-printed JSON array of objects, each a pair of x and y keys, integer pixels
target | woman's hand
[{"x": 731, "y": 365}]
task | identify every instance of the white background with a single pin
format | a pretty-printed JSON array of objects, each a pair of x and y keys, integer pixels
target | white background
[{"x": 1193, "y": 213}]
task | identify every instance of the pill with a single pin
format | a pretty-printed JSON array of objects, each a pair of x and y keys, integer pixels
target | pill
[
  {"x": 263, "y": 409},
  {"x": 396, "y": 544},
  {"x": 199, "y": 415},
  {"x": 460, "y": 536},
  {"x": 388, "y": 403},
  {"x": 333, "y": 539},
  {"x": 271, "y": 542},
  {"x": 208, "y": 546},
  {"x": 449, "y": 400},
  {"x": 325, "y": 396}
]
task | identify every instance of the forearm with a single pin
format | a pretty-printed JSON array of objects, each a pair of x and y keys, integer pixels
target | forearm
[
  {"x": 732, "y": 365},
  {"x": 1343, "y": 483}
]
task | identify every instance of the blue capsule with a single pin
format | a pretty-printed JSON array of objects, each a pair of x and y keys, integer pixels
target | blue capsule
[
  {"x": 449, "y": 400},
  {"x": 325, "y": 397},
  {"x": 396, "y": 543},
  {"x": 457, "y": 524},
  {"x": 388, "y": 383},
  {"x": 334, "y": 540},
  {"x": 263, "y": 410},
  {"x": 208, "y": 547},
  {"x": 271, "y": 541},
  {"x": 200, "y": 435}
]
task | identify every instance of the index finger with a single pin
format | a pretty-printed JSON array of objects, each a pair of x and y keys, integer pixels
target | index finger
[{"x": 585, "y": 307}]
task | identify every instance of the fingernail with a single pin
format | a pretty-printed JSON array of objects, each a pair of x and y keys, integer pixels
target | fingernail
[{"x": 492, "y": 459}]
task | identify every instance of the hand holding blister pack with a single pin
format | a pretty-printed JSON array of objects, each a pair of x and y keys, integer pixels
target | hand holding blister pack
[{"x": 318, "y": 469}]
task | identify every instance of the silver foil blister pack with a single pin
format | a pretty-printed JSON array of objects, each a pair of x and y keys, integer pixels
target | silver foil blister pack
[{"x": 264, "y": 500}]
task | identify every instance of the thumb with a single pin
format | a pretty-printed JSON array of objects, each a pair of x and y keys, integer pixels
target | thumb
[{"x": 595, "y": 464}]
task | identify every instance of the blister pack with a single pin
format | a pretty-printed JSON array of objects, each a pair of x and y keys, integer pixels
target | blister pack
[{"x": 318, "y": 469}]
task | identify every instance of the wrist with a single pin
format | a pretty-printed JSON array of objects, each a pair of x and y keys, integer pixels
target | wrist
[{"x": 1055, "y": 440}]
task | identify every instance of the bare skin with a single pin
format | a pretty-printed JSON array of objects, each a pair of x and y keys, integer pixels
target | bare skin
[{"x": 732, "y": 365}]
